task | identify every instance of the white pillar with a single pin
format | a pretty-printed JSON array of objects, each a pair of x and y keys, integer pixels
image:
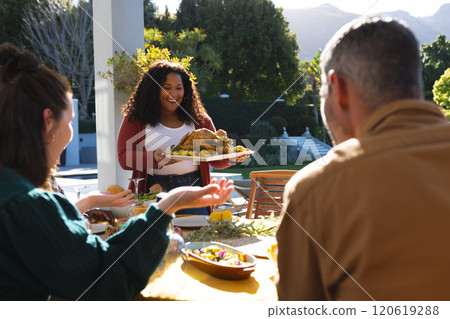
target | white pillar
[
  {"x": 118, "y": 25},
  {"x": 73, "y": 149}
]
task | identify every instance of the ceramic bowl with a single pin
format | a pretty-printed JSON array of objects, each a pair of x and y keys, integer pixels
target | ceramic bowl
[
  {"x": 123, "y": 212},
  {"x": 219, "y": 270}
]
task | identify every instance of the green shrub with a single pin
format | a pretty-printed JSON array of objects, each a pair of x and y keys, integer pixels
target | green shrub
[
  {"x": 441, "y": 90},
  {"x": 269, "y": 153},
  {"x": 86, "y": 126},
  {"x": 305, "y": 121},
  {"x": 237, "y": 117},
  {"x": 447, "y": 114},
  {"x": 263, "y": 128},
  {"x": 279, "y": 123}
]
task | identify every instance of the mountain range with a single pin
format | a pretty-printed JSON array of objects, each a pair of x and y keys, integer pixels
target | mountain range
[{"x": 315, "y": 26}]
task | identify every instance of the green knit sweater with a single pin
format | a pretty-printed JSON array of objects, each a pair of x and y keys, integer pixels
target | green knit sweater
[{"x": 45, "y": 249}]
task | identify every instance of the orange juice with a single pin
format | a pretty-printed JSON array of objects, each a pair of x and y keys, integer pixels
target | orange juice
[{"x": 139, "y": 209}]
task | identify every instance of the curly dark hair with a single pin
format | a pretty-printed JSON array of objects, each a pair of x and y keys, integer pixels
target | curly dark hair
[{"x": 144, "y": 104}]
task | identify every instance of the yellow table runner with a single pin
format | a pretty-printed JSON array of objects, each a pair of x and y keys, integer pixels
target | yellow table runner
[{"x": 183, "y": 281}]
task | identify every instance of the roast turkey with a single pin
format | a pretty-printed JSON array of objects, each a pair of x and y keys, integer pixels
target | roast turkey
[{"x": 207, "y": 140}]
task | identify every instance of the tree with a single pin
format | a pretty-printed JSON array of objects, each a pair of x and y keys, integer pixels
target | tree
[
  {"x": 11, "y": 14},
  {"x": 61, "y": 35},
  {"x": 441, "y": 90},
  {"x": 313, "y": 68},
  {"x": 165, "y": 22},
  {"x": 186, "y": 14},
  {"x": 435, "y": 60},
  {"x": 149, "y": 14},
  {"x": 127, "y": 69},
  {"x": 252, "y": 38},
  {"x": 312, "y": 83}
]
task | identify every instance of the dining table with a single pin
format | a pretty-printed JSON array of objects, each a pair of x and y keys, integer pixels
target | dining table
[{"x": 182, "y": 280}]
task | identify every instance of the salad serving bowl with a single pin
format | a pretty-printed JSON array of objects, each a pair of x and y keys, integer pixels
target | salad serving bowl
[{"x": 216, "y": 269}]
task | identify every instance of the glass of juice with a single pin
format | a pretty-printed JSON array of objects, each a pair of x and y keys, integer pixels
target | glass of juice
[{"x": 139, "y": 209}]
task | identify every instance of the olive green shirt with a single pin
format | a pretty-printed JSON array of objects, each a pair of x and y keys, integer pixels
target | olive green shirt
[{"x": 372, "y": 219}]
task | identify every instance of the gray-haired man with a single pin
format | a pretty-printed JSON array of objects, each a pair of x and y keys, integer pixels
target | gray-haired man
[{"x": 374, "y": 222}]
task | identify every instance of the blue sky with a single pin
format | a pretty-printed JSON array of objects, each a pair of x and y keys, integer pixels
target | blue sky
[{"x": 414, "y": 7}]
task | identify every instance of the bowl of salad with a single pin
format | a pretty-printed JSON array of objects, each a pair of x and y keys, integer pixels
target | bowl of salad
[
  {"x": 220, "y": 260},
  {"x": 124, "y": 212}
]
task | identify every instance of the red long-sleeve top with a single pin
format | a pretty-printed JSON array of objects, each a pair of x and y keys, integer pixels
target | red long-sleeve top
[{"x": 130, "y": 143}]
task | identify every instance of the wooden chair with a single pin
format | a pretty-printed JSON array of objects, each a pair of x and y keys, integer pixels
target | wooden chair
[{"x": 269, "y": 196}]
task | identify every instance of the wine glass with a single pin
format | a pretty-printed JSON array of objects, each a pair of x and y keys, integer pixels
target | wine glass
[
  {"x": 169, "y": 263},
  {"x": 78, "y": 190},
  {"x": 139, "y": 201},
  {"x": 136, "y": 181},
  {"x": 176, "y": 246},
  {"x": 174, "y": 251}
]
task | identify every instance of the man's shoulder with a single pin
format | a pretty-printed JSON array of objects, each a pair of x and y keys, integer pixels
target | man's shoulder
[{"x": 320, "y": 171}]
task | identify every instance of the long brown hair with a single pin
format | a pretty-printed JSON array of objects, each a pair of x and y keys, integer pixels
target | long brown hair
[
  {"x": 27, "y": 88},
  {"x": 144, "y": 104}
]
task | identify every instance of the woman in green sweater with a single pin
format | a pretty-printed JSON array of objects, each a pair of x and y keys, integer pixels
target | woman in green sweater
[{"x": 45, "y": 248}]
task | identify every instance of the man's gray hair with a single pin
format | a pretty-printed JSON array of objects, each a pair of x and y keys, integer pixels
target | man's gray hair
[{"x": 380, "y": 55}]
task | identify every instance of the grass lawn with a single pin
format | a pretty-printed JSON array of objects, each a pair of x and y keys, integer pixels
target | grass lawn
[{"x": 245, "y": 171}]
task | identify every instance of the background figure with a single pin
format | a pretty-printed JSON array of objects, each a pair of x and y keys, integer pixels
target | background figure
[
  {"x": 45, "y": 248},
  {"x": 375, "y": 219},
  {"x": 163, "y": 108}
]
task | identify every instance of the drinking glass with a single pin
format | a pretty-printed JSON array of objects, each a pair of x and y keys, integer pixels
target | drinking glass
[
  {"x": 174, "y": 251},
  {"x": 168, "y": 266},
  {"x": 139, "y": 202},
  {"x": 78, "y": 190},
  {"x": 136, "y": 181}
]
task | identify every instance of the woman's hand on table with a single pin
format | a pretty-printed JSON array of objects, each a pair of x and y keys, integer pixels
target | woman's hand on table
[
  {"x": 194, "y": 196},
  {"x": 161, "y": 159},
  {"x": 121, "y": 199}
]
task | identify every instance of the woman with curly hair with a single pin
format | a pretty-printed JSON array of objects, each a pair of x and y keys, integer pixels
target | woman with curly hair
[{"x": 163, "y": 108}]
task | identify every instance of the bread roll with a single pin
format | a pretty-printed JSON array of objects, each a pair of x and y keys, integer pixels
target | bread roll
[
  {"x": 154, "y": 189},
  {"x": 115, "y": 189}
]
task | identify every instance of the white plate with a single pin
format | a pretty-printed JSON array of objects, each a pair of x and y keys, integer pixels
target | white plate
[
  {"x": 208, "y": 159},
  {"x": 98, "y": 228},
  {"x": 120, "y": 212},
  {"x": 191, "y": 221}
]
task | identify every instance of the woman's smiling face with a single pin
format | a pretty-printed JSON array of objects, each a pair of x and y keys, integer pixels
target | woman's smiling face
[{"x": 172, "y": 92}]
